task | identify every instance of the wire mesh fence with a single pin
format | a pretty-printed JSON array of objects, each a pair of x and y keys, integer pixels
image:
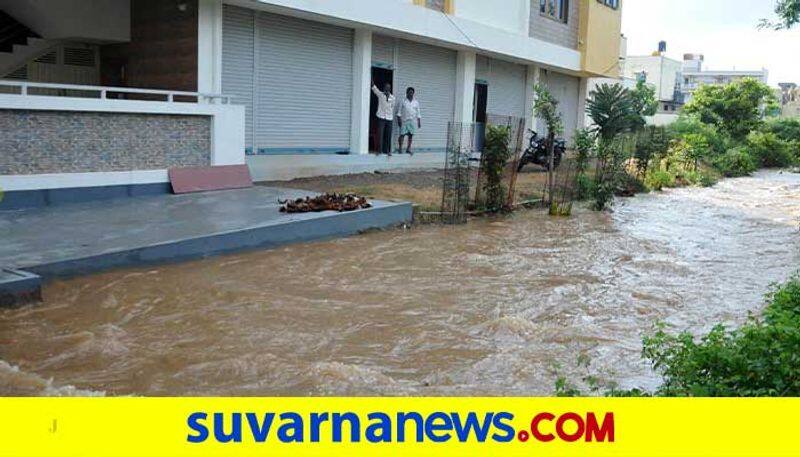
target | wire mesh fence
[
  {"x": 458, "y": 172},
  {"x": 468, "y": 175}
]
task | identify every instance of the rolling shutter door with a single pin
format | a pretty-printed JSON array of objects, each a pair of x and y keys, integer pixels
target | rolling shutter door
[
  {"x": 566, "y": 90},
  {"x": 305, "y": 86},
  {"x": 506, "y": 88},
  {"x": 431, "y": 71},
  {"x": 238, "y": 34},
  {"x": 383, "y": 51}
]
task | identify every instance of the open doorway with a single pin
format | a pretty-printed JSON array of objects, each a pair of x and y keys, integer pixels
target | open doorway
[
  {"x": 380, "y": 76},
  {"x": 479, "y": 113}
]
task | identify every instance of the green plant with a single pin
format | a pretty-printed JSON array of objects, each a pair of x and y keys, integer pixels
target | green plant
[
  {"x": 546, "y": 107},
  {"x": 787, "y": 129},
  {"x": 736, "y": 162},
  {"x": 611, "y": 108},
  {"x": 585, "y": 187},
  {"x": 707, "y": 179},
  {"x": 761, "y": 358},
  {"x": 659, "y": 179},
  {"x": 644, "y": 103},
  {"x": 496, "y": 154},
  {"x": 691, "y": 124},
  {"x": 584, "y": 141},
  {"x": 788, "y": 12},
  {"x": 735, "y": 108},
  {"x": 770, "y": 150}
]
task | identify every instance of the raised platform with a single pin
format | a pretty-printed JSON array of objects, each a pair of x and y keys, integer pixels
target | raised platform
[{"x": 87, "y": 237}]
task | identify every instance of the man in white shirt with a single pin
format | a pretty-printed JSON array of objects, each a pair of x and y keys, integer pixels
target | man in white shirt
[
  {"x": 409, "y": 118},
  {"x": 385, "y": 114}
]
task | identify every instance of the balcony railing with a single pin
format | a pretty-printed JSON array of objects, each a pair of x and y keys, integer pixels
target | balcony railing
[{"x": 32, "y": 89}]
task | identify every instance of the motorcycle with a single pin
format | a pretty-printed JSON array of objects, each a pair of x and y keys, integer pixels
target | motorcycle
[{"x": 536, "y": 152}]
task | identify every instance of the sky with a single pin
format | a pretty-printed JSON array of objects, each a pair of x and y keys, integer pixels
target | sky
[{"x": 725, "y": 31}]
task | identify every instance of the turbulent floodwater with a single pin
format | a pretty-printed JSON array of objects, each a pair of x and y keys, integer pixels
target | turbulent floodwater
[{"x": 496, "y": 307}]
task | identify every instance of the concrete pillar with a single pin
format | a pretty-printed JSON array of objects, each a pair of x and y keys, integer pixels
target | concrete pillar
[
  {"x": 583, "y": 94},
  {"x": 465, "y": 86},
  {"x": 209, "y": 46},
  {"x": 362, "y": 77},
  {"x": 534, "y": 73}
]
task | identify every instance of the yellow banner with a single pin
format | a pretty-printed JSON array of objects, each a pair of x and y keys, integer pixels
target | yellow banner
[{"x": 137, "y": 427}]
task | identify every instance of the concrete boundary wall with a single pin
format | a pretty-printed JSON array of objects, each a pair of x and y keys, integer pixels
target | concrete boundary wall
[{"x": 226, "y": 139}]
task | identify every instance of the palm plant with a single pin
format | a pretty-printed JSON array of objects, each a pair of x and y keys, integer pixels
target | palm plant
[{"x": 610, "y": 106}]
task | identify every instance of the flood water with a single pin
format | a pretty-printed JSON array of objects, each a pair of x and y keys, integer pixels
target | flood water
[{"x": 495, "y": 307}]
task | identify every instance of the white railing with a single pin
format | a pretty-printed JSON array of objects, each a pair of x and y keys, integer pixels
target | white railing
[{"x": 102, "y": 92}]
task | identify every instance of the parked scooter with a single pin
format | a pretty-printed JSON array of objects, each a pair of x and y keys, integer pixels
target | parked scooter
[{"x": 537, "y": 152}]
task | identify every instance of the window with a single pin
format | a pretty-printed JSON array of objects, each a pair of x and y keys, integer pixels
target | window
[
  {"x": 438, "y": 5},
  {"x": 610, "y": 3},
  {"x": 555, "y": 9}
]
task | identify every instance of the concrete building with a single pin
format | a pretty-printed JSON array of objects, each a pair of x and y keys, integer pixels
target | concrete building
[
  {"x": 113, "y": 93},
  {"x": 663, "y": 74},
  {"x": 695, "y": 76}
]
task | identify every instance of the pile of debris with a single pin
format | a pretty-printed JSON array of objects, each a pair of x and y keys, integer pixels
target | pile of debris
[{"x": 325, "y": 202}]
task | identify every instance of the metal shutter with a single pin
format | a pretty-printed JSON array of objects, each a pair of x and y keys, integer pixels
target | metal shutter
[
  {"x": 304, "y": 86},
  {"x": 566, "y": 89},
  {"x": 506, "y": 88},
  {"x": 431, "y": 71},
  {"x": 237, "y": 61},
  {"x": 383, "y": 51}
]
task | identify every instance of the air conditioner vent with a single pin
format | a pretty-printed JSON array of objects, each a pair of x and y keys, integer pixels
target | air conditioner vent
[
  {"x": 79, "y": 57},
  {"x": 20, "y": 73},
  {"x": 51, "y": 57}
]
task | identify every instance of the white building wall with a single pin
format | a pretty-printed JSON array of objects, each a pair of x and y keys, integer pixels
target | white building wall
[
  {"x": 662, "y": 72},
  {"x": 509, "y": 15}
]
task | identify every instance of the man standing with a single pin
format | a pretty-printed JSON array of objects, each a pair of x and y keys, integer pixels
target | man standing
[
  {"x": 409, "y": 119},
  {"x": 385, "y": 114}
]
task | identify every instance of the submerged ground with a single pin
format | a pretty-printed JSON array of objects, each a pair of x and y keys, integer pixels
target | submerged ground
[{"x": 496, "y": 307}]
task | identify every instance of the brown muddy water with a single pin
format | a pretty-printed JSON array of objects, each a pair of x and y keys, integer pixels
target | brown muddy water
[{"x": 495, "y": 307}]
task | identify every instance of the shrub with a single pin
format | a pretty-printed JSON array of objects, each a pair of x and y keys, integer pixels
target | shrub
[
  {"x": 707, "y": 179},
  {"x": 762, "y": 358},
  {"x": 770, "y": 150},
  {"x": 787, "y": 129},
  {"x": 659, "y": 179},
  {"x": 691, "y": 125},
  {"x": 585, "y": 187},
  {"x": 496, "y": 154},
  {"x": 759, "y": 359},
  {"x": 736, "y": 162}
]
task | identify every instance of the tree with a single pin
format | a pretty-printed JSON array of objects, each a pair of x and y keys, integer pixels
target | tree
[
  {"x": 644, "y": 102},
  {"x": 735, "y": 108},
  {"x": 611, "y": 108},
  {"x": 788, "y": 12},
  {"x": 546, "y": 108}
]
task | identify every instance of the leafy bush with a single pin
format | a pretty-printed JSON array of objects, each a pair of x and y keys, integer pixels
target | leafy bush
[
  {"x": 691, "y": 125},
  {"x": 496, "y": 154},
  {"x": 584, "y": 143},
  {"x": 770, "y": 150},
  {"x": 787, "y": 129},
  {"x": 762, "y": 358},
  {"x": 585, "y": 187},
  {"x": 659, "y": 179},
  {"x": 735, "y": 108},
  {"x": 736, "y": 162},
  {"x": 707, "y": 179},
  {"x": 759, "y": 359},
  {"x": 611, "y": 108}
]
